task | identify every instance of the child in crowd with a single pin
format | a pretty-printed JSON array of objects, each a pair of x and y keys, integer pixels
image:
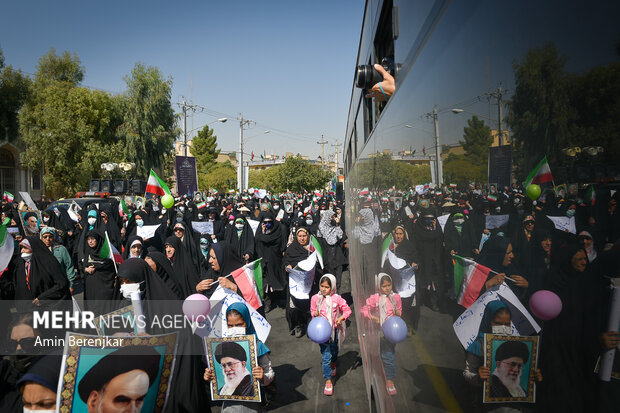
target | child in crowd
[
  {"x": 378, "y": 308},
  {"x": 326, "y": 303},
  {"x": 240, "y": 323}
]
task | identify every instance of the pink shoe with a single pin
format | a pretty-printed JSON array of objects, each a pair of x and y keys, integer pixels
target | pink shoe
[
  {"x": 329, "y": 389},
  {"x": 333, "y": 367},
  {"x": 391, "y": 388}
]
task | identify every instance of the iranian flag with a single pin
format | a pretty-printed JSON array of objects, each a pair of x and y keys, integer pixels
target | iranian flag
[
  {"x": 122, "y": 208},
  {"x": 6, "y": 245},
  {"x": 213, "y": 191},
  {"x": 388, "y": 245},
  {"x": 364, "y": 192},
  {"x": 231, "y": 191},
  {"x": 540, "y": 175},
  {"x": 591, "y": 195},
  {"x": 469, "y": 278},
  {"x": 109, "y": 251},
  {"x": 156, "y": 186},
  {"x": 8, "y": 196},
  {"x": 249, "y": 279},
  {"x": 315, "y": 246},
  {"x": 452, "y": 185},
  {"x": 492, "y": 197},
  {"x": 201, "y": 205}
]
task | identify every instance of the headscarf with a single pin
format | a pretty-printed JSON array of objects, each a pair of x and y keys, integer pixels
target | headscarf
[
  {"x": 368, "y": 227},
  {"x": 185, "y": 272},
  {"x": 331, "y": 233},
  {"x": 327, "y": 299},
  {"x": 485, "y": 325},
  {"x": 383, "y": 299},
  {"x": 44, "y": 371},
  {"x": 493, "y": 253},
  {"x": 242, "y": 309},
  {"x": 227, "y": 259},
  {"x": 165, "y": 271}
]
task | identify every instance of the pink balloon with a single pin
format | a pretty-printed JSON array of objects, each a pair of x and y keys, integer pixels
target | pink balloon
[
  {"x": 196, "y": 307},
  {"x": 545, "y": 304}
]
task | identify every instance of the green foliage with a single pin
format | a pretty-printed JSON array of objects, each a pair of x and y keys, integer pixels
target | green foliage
[
  {"x": 14, "y": 90},
  {"x": 70, "y": 130},
  {"x": 223, "y": 176},
  {"x": 295, "y": 174},
  {"x": 477, "y": 139},
  {"x": 204, "y": 149},
  {"x": 459, "y": 169},
  {"x": 66, "y": 68},
  {"x": 149, "y": 122},
  {"x": 382, "y": 172}
]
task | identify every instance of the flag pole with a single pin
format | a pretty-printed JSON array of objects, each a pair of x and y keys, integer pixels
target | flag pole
[{"x": 490, "y": 270}]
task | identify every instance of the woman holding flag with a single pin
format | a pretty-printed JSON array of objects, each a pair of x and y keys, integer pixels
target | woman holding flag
[
  {"x": 297, "y": 310},
  {"x": 99, "y": 272}
]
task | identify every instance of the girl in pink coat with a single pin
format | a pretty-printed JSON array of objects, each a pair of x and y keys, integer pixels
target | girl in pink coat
[{"x": 326, "y": 303}]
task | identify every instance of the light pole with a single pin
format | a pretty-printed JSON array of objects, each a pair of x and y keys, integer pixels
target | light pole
[
  {"x": 185, "y": 133},
  {"x": 438, "y": 166},
  {"x": 243, "y": 123}
]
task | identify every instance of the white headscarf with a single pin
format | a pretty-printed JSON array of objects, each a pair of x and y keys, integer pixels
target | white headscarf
[{"x": 328, "y": 301}]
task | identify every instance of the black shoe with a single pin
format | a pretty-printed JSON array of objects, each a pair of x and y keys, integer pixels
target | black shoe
[{"x": 299, "y": 332}]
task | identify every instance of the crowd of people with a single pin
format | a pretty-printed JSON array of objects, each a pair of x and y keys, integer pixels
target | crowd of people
[{"x": 504, "y": 231}]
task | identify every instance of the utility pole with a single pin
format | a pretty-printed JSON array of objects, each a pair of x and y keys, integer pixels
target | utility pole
[
  {"x": 337, "y": 146},
  {"x": 438, "y": 168},
  {"x": 498, "y": 94},
  {"x": 185, "y": 107},
  {"x": 323, "y": 142},
  {"x": 243, "y": 123}
]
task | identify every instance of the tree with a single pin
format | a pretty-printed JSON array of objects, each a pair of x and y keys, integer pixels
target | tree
[
  {"x": 295, "y": 174},
  {"x": 204, "y": 149},
  {"x": 477, "y": 139},
  {"x": 459, "y": 169},
  {"x": 14, "y": 91},
  {"x": 223, "y": 176},
  {"x": 540, "y": 111},
  {"x": 149, "y": 122},
  {"x": 66, "y": 68},
  {"x": 381, "y": 171}
]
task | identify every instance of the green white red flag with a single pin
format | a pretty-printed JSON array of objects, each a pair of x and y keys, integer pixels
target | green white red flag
[
  {"x": 388, "y": 245},
  {"x": 8, "y": 196},
  {"x": 469, "y": 278},
  {"x": 249, "y": 279},
  {"x": 316, "y": 246},
  {"x": 155, "y": 185},
  {"x": 540, "y": 175},
  {"x": 123, "y": 210},
  {"x": 201, "y": 205},
  {"x": 591, "y": 195},
  {"x": 6, "y": 245},
  {"x": 109, "y": 251}
]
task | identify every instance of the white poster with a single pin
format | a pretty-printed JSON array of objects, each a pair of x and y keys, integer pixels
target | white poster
[
  {"x": 28, "y": 200},
  {"x": 564, "y": 223},
  {"x": 146, "y": 231},
  {"x": 442, "y": 220},
  {"x": 203, "y": 227},
  {"x": 495, "y": 221}
]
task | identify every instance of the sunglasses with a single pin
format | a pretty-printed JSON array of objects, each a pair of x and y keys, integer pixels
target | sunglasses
[{"x": 27, "y": 344}]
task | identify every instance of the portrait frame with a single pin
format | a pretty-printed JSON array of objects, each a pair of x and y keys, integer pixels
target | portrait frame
[
  {"x": 561, "y": 191},
  {"x": 249, "y": 345},
  {"x": 398, "y": 202},
  {"x": 528, "y": 370},
  {"x": 288, "y": 206},
  {"x": 77, "y": 361},
  {"x": 123, "y": 312},
  {"x": 573, "y": 189},
  {"x": 22, "y": 220},
  {"x": 492, "y": 188}
]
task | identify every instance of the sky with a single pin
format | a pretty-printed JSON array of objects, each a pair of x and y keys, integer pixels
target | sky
[{"x": 288, "y": 66}]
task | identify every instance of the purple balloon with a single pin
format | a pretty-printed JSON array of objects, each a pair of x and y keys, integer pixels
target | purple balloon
[
  {"x": 319, "y": 330},
  {"x": 545, "y": 304},
  {"x": 196, "y": 307},
  {"x": 394, "y": 329}
]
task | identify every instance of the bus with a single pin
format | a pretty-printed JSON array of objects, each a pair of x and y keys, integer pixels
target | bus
[{"x": 484, "y": 92}]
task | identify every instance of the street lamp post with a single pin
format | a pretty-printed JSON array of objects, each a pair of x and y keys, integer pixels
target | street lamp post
[{"x": 438, "y": 166}]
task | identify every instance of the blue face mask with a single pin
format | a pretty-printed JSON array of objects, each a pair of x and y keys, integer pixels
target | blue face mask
[
  {"x": 268, "y": 224},
  {"x": 570, "y": 213},
  {"x": 139, "y": 223}
]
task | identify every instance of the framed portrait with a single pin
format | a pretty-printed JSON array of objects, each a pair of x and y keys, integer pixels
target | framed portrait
[
  {"x": 573, "y": 189},
  {"x": 140, "y": 202},
  {"x": 513, "y": 361},
  {"x": 492, "y": 188},
  {"x": 398, "y": 202},
  {"x": 561, "y": 191},
  {"x": 31, "y": 222},
  {"x": 265, "y": 206},
  {"x": 288, "y": 206},
  {"x": 95, "y": 369},
  {"x": 114, "y": 323},
  {"x": 232, "y": 360}
]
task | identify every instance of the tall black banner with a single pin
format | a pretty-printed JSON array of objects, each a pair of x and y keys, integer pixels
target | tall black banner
[
  {"x": 500, "y": 165},
  {"x": 187, "y": 178}
]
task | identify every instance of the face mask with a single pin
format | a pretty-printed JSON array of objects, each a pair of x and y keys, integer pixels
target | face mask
[
  {"x": 46, "y": 219},
  {"x": 276, "y": 207},
  {"x": 92, "y": 221},
  {"x": 459, "y": 221},
  {"x": 486, "y": 214},
  {"x": 182, "y": 209},
  {"x": 127, "y": 289},
  {"x": 498, "y": 210},
  {"x": 570, "y": 212},
  {"x": 179, "y": 219},
  {"x": 163, "y": 211},
  {"x": 309, "y": 222},
  {"x": 268, "y": 224},
  {"x": 502, "y": 330},
  {"x": 234, "y": 331},
  {"x": 26, "y": 256},
  {"x": 428, "y": 222},
  {"x": 200, "y": 216},
  {"x": 139, "y": 223},
  {"x": 239, "y": 226},
  {"x": 411, "y": 203},
  {"x": 38, "y": 411}
]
